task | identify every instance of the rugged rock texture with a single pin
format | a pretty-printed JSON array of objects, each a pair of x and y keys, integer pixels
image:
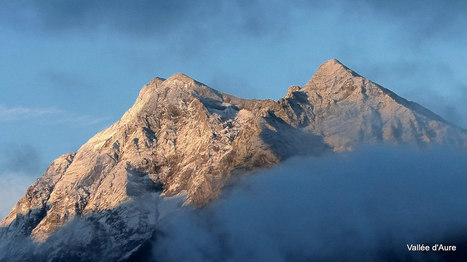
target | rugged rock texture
[
  {"x": 347, "y": 109},
  {"x": 184, "y": 138}
]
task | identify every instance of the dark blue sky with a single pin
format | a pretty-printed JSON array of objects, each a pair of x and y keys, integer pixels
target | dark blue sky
[{"x": 71, "y": 68}]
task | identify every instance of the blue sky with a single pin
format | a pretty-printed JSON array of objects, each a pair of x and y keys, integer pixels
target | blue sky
[{"x": 71, "y": 68}]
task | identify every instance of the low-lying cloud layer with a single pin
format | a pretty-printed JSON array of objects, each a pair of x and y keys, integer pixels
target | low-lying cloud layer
[
  {"x": 361, "y": 206},
  {"x": 366, "y": 205}
]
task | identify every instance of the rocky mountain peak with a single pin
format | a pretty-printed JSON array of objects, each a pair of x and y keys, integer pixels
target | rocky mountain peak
[
  {"x": 157, "y": 79},
  {"x": 330, "y": 73},
  {"x": 180, "y": 77},
  {"x": 184, "y": 83},
  {"x": 333, "y": 67},
  {"x": 183, "y": 138}
]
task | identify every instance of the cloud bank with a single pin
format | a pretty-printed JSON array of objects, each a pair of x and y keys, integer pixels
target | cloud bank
[
  {"x": 362, "y": 206},
  {"x": 366, "y": 205}
]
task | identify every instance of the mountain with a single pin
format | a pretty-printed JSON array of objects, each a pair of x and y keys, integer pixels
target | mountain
[{"x": 182, "y": 138}]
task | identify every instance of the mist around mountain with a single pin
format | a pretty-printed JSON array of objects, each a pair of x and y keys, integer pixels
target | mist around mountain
[
  {"x": 365, "y": 205},
  {"x": 193, "y": 174}
]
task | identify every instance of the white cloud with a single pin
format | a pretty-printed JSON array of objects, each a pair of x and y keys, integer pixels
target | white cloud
[
  {"x": 50, "y": 115},
  {"x": 17, "y": 113}
]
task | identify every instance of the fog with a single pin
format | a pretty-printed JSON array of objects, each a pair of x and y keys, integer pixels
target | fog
[
  {"x": 366, "y": 205},
  {"x": 360, "y": 206}
]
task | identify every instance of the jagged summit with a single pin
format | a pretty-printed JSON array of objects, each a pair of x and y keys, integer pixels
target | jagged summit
[
  {"x": 331, "y": 64},
  {"x": 182, "y": 80},
  {"x": 180, "y": 85},
  {"x": 181, "y": 77},
  {"x": 156, "y": 80},
  {"x": 334, "y": 67},
  {"x": 179, "y": 81},
  {"x": 329, "y": 72},
  {"x": 183, "y": 138}
]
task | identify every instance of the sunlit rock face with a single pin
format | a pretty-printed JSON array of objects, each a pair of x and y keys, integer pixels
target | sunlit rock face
[
  {"x": 348, "y": 110},
  {"x": 182, "y": 138}
]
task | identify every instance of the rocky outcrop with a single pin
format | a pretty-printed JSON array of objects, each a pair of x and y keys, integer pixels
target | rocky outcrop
[{"x": 184, "y": 138}]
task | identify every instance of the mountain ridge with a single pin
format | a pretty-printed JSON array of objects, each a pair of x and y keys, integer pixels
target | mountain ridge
[{"x": 182, "y": 137}]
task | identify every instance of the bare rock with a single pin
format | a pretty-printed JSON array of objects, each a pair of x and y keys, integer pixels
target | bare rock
[{"x": 183, "y": 138}]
